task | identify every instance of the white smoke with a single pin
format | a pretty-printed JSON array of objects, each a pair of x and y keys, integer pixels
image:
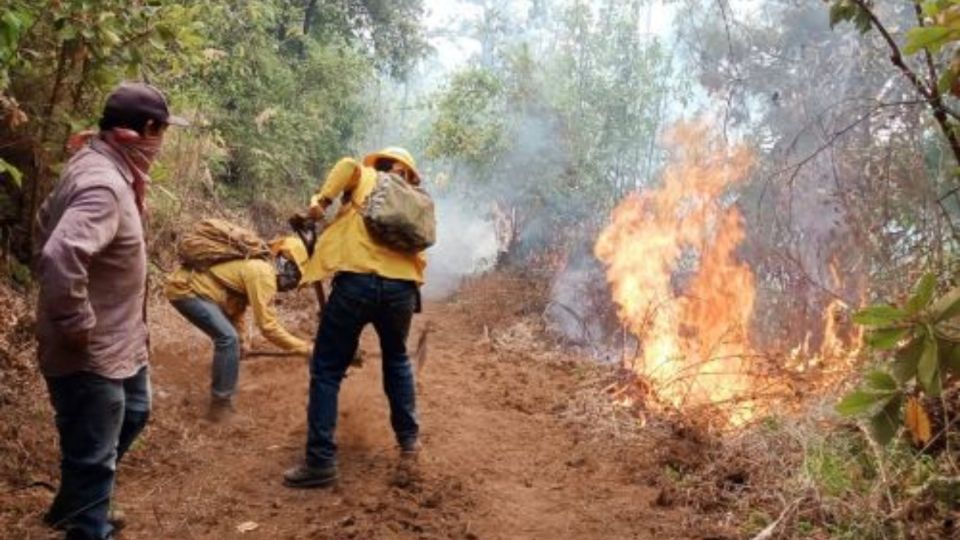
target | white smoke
[
  {"x": 466, "y": 245},
  {"x": 571, "y": 311}
]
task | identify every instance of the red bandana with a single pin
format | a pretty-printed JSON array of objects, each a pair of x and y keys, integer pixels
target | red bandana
[{"x": 137, "y": 151}]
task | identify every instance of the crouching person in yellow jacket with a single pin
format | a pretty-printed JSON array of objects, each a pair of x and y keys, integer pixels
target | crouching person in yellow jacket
[{"x": 215, "y": 301}]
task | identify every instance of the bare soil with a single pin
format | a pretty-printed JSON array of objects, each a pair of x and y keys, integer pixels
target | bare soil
[{"x": 512, "y": 446}]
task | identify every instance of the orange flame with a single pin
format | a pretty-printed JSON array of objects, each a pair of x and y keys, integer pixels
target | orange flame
[
  {"x": 839, "y": 342},
  {"x": 693, "y": 334},
  {"x": 674, "y": 272}
]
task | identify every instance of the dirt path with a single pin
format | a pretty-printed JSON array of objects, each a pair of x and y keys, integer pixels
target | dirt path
[{"x": 501, "y": 458}]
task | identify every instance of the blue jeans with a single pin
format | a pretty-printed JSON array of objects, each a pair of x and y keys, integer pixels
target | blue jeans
[
  {"x": 355, "y": 301},
  {"x": 97, "y": 420},
  {"x": 209, "y": 318}
]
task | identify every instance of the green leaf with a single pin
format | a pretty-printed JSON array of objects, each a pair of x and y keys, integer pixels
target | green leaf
[
  {"x": 925, "y": 37},
  {"x": 18, "y": 20},
  {"x": 885, "y": 424},
  {"x": 110, "y": 37},
  {"x": 928, "y": 368},
  {"x": 67, "y": 33},
  {"x": 12, "y": 18},
  {"x": 862, "y": 403},
  {"x": 840, "y": 11},
  {"x": 931, "y": 8},
  {"x": 8, "y": 37},
  {"x": 166, "y": 32},
  {"x": 884, "y": 339},
  {"x": 881, "y": 315},
  {"x": 923, "y": 294},
  {"x": 904, "y": 366},
  {"x": 10, "y": 27},
  {"x": 11, "y": 172},
  {"x": 947, "y": 306},
  {"x": 862, "y": 20},
  {"x": 947, "y": 78},
  {"x": 881, "y": 381}
]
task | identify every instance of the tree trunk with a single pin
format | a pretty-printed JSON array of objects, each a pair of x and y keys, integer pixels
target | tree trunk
[
  {"x": 309, "y": 15},
  {"x": 39, "y": 153}
]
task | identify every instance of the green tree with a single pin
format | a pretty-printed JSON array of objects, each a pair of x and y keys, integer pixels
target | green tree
[
  {"x": 283, "y": 106},
  {"x": 469, "y": 119},
  {"x": 932, "y": 39},
  {"x": 58, "y": 58},
  {"x": 278, "y": 83},
  {"x": 556, "y": 117},
  {"x": 389, "y": 32}
]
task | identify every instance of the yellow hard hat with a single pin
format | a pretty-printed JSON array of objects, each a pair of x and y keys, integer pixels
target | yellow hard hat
[
  {"x": 396, "y": 153},
  {"x": 290, "y": 247}
]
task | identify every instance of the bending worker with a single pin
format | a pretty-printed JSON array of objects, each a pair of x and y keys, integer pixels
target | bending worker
[
  {"x": 215, "y": 301},
  {"x": 373, "y": 284}
]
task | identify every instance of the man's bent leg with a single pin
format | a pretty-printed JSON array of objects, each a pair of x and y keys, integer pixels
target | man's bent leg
[
  {"x": 89, "y": 414},
  {"x": 209, "y": 318}
]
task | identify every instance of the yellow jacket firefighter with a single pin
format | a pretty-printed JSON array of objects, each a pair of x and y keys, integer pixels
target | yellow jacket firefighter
[
  {"x": 345, "y": 245},
  {"x": 232, "y": 286}
]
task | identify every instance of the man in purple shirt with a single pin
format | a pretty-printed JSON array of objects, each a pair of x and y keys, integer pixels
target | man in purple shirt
[{"x": 91, "y": 264}]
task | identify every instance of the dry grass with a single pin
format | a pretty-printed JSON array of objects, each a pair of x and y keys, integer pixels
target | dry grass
[
  {"x": 806, "y": 475},
  {"x": 183, "y": 191},
  {"x": 801, "y": 474},
  {"x": 28, "y": 444},
  {"x": 502, "y": 298}
]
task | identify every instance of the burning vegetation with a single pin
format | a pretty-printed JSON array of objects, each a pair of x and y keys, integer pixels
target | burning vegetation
[
  {"x": 683, "y": 291},
  {"x": 726, "y": 281}
]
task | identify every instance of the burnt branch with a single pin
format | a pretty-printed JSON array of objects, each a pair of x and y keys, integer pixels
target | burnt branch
[{"x": 795, "y": 167}]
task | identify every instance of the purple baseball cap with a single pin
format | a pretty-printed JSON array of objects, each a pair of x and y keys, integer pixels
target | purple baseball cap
[{"x": 140, "y": 99}]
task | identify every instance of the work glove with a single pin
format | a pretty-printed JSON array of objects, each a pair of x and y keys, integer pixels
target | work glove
[
  {"x": 300, "y": 221},
  {"x": 316, "y": 212}
]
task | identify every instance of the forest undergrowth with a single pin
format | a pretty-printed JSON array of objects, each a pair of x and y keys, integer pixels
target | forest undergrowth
[
  {"x": 810, "y": 475},
  {"x": 559, "y": 124}
]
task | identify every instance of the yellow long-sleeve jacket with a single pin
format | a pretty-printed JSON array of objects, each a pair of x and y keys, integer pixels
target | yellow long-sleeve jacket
[
  {"x": 345, "y": 245},
  {"x": 232, "y": 286}
]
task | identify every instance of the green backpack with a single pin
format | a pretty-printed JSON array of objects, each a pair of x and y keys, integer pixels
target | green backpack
[{"x": 400, "y": 215}]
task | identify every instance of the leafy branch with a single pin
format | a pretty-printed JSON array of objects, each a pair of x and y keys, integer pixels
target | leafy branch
[
  {"x": 923, "y": 37},
  {"x": 922, "y": 350}
]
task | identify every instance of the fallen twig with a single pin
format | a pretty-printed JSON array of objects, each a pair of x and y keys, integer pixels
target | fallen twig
[
  {"x": 768, "y": 532},
  {"x": 39, "y": 483},
  {"x": 421, "y": 353}
]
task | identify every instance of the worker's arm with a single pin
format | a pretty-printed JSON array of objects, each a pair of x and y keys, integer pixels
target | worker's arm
[
  {"x": 87, "y": 226},
  {"x": 344, "y": 176},
  {"x": 260, "y": 282}
]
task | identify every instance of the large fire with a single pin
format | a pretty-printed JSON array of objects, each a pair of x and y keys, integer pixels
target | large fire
[{"x": 672, "y": 263}]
